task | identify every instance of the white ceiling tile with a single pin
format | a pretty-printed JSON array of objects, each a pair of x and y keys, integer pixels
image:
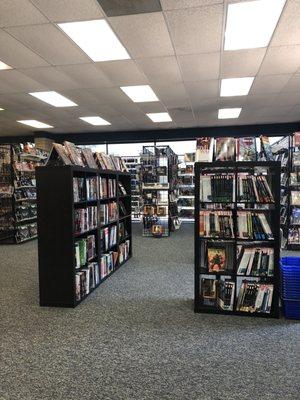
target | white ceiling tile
[
  {"x": 205, "y": 105},
  {"x": 86, "y": 75},
  {"x": 287, "y": 99},
  {"x": 269, "y": 84},
  {"x": 160, "y": 69},
  {"x": 196, "y": 30},
  {"x": 293, "y": 85},
  {"x": 69, "y": 10},
  {"x": 288, "y": 29},
  {"x": 123, "y": 72},
  {"x": 12, "y": 81},
  {"x": 143, "y": 35},
  {"x": 181, "y": 114},
  {"x": 109, "y": 96},
  {"x": 152, "y": 107},
  {"x": 51, "y": 77},
  {"x": 50, "y": 43},
  {"x": 198, "y": 67},
  {"x": 276, "y": 111},
  {"x": 178, "y": 4},
  {"x": 281, "y": 60},
  {"x": 199, "y": 91},
  {"x": 16, "y": 54},
  {"x": 174, "y": 95},
  {"x": 241, "y": 63},
  {"x": 258, "y": 100},
  {"x": 232, "y": 101},
  {"x": 19, "y": 12}
]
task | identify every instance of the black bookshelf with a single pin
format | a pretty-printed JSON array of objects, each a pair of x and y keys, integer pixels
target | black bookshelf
[
  {"x": 57, "y": 237},
  {"x": 206, "y": 302}
]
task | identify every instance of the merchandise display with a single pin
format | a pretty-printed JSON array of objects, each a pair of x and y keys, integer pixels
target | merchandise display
[
  {"x": 159, "y": 180},
  {"x": 88, "y": 237},
  {"x": 186, "y": 189},
  {"x": 237, "y": 208},
  {"x": 133, "y": 165},
  {"x": 18, "y": 211}
]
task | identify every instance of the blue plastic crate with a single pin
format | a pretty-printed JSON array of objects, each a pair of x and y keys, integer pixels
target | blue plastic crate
[
  {"x": 295, "y": 261},
  {"x": 291, "y": 308}
]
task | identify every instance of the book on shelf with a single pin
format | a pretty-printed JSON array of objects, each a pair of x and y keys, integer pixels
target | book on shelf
[
  {"x": 92, "y": 188},
  {"x": 295, "y": 198},
  {"x": 294, "y": 235},
  {"x": 74, "y": 153},
  {"x": 123, "y": 211},
  {"x": 85, "y": 219},
  {"x": 225, "y": 294},
  {"x": 256, "y": 261},
  {"x": 255, "y": 297},
  {"x": 216, "y": 224},
  {"x": 121, "y": 188},
  {"x": 266, "y": 148},
  {"x": 78, "y": 189},
  {"x": 108, "y": 213},
  {"x": 112, "y": 187},
  {"x": 204, "y": 149},
  {"x": 254, "y": 188},
  {"x": 217, "y": 188},
  {"x": 108, "y": 263},
  {"x": 122, "y": 230},
  {"x": 225, "y": 149},
  {"x": 124, "y": 249},
  {"x": 208, "y": 291},
  {"x": 219, "y": 257},
  {"x": 89, "y": 158},
  {"x": 86, "y": 280},
  {"x": 246, "y": 149},
  {"x": 253, "y": 225},
  {"x": 102, "y": 188},
  {"x": 295, "y": 216}
]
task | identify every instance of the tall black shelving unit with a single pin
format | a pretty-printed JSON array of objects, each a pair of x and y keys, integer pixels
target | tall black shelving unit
[
  {"x": 272, "y": 210},
  {"x": 56, "y": 234}
]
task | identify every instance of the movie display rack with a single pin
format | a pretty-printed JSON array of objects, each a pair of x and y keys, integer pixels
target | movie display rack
[
  {"x": 237, "y": 241},
  {"x": 133, "y": 165},
  {"x": 293, "y": 194},
  {"x": 18, "y": 210},
  {"x": 186, "y": 189},
  {"x": 84, "y": 226},
  {"x": 159, "y": 178}
]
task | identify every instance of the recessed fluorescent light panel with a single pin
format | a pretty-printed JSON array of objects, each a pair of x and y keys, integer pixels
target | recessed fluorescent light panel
[
  {"x": 235, "y": 86},
  {"x": 95, "y": 121},
  {"x": 96, "y": 39},
  {"x": 160, "y": 117},
  {"x": 54, "y": 98},
  {"x": 251, "y": 24},
  {"x": 34, "y": 123},
  {"x": 140, "y": 93},
  {"x": 226, "y": 113},
  {"x": 1, "y": 109},
  {"x": 4, "y": 66}
]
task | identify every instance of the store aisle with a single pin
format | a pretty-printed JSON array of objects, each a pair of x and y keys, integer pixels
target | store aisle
[{"x": 136, "y": 337}]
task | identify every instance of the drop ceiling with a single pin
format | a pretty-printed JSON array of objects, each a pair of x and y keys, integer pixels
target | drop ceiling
[{"x": 176, "y": 47}]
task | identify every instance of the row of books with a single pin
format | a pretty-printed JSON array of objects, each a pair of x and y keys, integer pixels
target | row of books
[
  {"x": 108, "y": 237},
  {"x": 25, "y": 193},
  {"x": 78, "y": 189},
  {"x": 253, "y": 297},
  {"x": 108, "y": 213},
  {"x": 92, "y": 188},
  {"x": 85, "y": 219},
  {"x": 69, "y": 154},
  {"x": 124, "y": 251},
  {"x": 26, "y": 232},
  {"x": 219, "y": 224},
  {"x": 86, "y": 280},
  {"x": 220, "y": 188},
  {"x": 24, "y": 212},
  {"x": 251, "y": 260},
  {"x": 87, "y": 189},
  {"x": 85, "y": 251},
  {"x": 108, "y": 263},
  {"x": 231, "y": 149}
]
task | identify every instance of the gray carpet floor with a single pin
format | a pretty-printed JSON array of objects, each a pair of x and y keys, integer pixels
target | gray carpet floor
[{"x": 136, "y": 337}]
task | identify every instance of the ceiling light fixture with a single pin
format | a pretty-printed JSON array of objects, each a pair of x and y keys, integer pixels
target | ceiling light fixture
[
  {"x": 236, "y": 86},
  {"x": 160, "y": 117},
  {"x": 140, "y": 93},
  {"x": 4, "y": 66},
  {"x": 1, "y": 109},
  {"x": 97, "y": 121},
  {"x": 251, "y": 24},
  {"x": 226, "y": 113},
  {"x": 54, "y": 98},
  {"x": 34, "y": 123},
  {"x": 96, "y": 39}
]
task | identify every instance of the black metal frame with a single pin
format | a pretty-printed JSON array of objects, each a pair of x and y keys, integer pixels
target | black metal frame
[
  {"x": 56, "y": 238},
  {"x": 235, "y": 167}
]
